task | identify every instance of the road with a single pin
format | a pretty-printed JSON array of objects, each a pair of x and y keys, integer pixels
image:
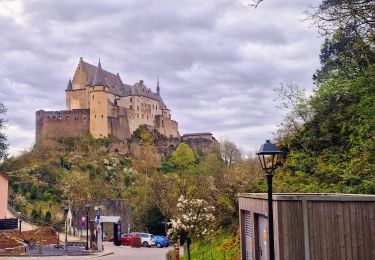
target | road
[{"x": 119, "y": 252}]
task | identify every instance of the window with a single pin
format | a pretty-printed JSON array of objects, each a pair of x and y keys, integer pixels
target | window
[
  {"x": 147, "y": 117},
  {"x": 95, "y": 116},
  {"x": 137, "y": 108},
  {"x": 131, "y": 100},
  {"x": 131, "y": 107},
  {"x": 67, "y": 117},
  {"x": 102, "y": 116},
  {"x": 92, "y": 96}
]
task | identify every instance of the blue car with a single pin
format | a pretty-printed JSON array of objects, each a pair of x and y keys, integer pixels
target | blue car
[{"x": 161, "y": 241}]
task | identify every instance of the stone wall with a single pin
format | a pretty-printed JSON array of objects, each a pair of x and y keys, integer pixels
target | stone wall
[
  {"x": 166, "y": 126},
  {"x": 60, "y": 124},
  {"x": 76, "y": 99}
]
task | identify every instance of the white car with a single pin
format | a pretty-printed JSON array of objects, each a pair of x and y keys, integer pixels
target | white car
[{"x": 146, "y": 239}]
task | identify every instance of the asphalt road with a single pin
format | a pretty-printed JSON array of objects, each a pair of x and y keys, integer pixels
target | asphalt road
[
  {"x": 127, "y": 252},
  {"x": 119, "y": 252}
]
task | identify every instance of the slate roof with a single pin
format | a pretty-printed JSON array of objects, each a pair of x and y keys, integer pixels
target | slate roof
[
  {"x": 115, "y": 84},
  {"x": 99, "y": 79},
  {"x": 69, "y": 86}
]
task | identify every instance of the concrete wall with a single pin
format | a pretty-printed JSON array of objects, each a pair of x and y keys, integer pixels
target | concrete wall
[
  {"x": 3, "y": 195},
  {"x": 57, "y": 124}
]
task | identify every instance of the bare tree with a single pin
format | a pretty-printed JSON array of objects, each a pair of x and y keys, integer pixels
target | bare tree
[{"x": 229, "y": 151}]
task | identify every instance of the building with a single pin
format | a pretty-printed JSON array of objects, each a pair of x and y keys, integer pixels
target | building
[
  {"x": 308, "y": 226},
  {"x": 98, "y": 102},
  {"x": 3, "y": 195}
]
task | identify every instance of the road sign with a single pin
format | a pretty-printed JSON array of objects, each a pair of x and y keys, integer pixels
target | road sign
[{"x": 98, "y": 215}]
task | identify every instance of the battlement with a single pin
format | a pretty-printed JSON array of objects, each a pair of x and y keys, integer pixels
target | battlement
[{"x": 60, "y": 124}]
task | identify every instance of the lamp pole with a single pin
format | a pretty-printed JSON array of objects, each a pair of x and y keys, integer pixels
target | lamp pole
[
  {"x": 66, "y": 210},
  {"x": 87, "y": 206},
  {"x": 268, "y": 155},
  {"x": 270, "y": 215}
]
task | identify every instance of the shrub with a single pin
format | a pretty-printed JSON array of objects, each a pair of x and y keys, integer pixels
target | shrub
[
  {"x": 136, "y": 242},
  {"x": 171, "y": 255}
]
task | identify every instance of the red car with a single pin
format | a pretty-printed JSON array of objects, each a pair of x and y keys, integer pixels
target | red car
[{"x": 126, "y": 239}]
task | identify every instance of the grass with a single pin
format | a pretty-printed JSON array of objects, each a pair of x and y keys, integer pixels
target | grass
[{"x": 222, "y": 244}]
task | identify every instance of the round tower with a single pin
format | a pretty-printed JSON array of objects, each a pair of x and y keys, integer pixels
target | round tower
[{"x": 99, "y": 105}]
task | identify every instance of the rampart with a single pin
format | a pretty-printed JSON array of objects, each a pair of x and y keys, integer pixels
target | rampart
[{"x": 61, "y": 124}]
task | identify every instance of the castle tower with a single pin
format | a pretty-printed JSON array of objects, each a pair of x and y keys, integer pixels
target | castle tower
[{"x": 99, "y": 105}]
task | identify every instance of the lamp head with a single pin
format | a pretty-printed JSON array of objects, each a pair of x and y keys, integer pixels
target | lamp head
[{"x": 268, "y": 155}]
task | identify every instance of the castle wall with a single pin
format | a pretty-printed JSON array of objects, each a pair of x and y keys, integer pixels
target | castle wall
[
  {"x": 118, "y": 123},
  {"x": 76, "y": 99},
  {"x": 58, "y": 124},
  {"x": 99, "y": 111},
  {"x": 166, "y": 126}
]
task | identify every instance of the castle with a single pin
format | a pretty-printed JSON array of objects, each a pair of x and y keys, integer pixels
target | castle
[{"x": 97, "y": 101}]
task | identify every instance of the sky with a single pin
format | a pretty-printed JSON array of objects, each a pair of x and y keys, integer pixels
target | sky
[{"x": 218, "y": 60}]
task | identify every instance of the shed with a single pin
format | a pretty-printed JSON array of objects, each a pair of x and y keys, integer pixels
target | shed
[{"x": 308, "y": 226}]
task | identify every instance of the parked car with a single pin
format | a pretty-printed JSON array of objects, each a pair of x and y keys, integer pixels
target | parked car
[
  {"x": 147, "y": 239},
  {"x": 161, "y": 241},
  {"x": 126, "y": 239}
]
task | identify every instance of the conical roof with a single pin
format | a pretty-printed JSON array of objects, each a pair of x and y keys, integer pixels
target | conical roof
[
  {"x": 69, "y": 86},
  {"x": 99, "y": 79}
]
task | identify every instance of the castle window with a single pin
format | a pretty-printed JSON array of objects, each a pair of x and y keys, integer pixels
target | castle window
[
  {"x": 67, "y": 117},
  {"x": 101, "y": 135},
  {"x": 137, "y": 108},
  {"x": 131, "y": 100},
  {"x": 92, "y": 96},
  {"x": 75, "y": 118},
  {"x": 131, "y": 107},
  {"x": 60, "y": 117},
  {"x": 156, "y": 107},
  {"x": 47, "y": 116},
  {"x": 147, "y": 117},
  {"x": 95, "y": 116},
  {"x": 54, "y": 117},
  {"x": 102, "y": 116}
]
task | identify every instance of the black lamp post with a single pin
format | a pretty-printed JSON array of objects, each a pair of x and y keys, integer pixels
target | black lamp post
[
  {"x": 268, "y": 155},
  {"x": 87, "y": 207},
  {"x": 66, "y": 210}
]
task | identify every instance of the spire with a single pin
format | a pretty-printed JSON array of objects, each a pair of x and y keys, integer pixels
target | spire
[
  {"x": 158, "y": 87},
  {"x": 99, "y": 76},
  {"x": 69, "y": 87}
]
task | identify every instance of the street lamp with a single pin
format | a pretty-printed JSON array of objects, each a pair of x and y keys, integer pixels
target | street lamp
[
  {"x": 66, "y": 210},
  {"x": 268, "y": 155},
  {"x": 87, "y": 207}
]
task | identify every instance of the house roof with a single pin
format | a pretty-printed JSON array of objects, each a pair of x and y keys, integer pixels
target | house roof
[{"x": 99, "y": 79}]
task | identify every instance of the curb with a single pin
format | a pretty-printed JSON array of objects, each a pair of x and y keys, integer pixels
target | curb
[{"x": 106, "y": 254}]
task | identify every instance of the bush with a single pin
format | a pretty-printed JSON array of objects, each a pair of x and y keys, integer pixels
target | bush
[
  {"x": 136, "y": 242},
  {"x": 171, "y": 255}
]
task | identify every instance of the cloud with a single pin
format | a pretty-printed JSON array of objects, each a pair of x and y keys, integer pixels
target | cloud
[{"x": 218, "y": 61}]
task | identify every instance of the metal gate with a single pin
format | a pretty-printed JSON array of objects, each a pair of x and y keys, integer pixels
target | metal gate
[{"x": 249, "y": 235}]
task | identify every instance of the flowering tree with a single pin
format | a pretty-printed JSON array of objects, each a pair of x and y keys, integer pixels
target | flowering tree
[{"x": 193, "y": 219}]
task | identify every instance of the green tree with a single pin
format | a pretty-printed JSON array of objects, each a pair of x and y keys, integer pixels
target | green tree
[{"x": 183, "y": 157}]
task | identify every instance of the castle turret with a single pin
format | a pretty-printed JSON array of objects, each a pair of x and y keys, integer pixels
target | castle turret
[{"x": 99, "y": 105}]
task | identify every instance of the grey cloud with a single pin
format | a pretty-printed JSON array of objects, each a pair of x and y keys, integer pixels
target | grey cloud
[{"x": 218, "y": 61}]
